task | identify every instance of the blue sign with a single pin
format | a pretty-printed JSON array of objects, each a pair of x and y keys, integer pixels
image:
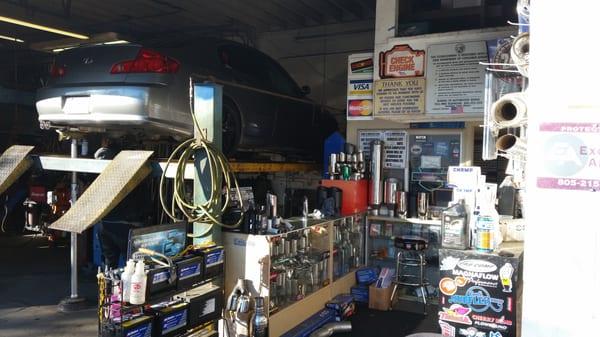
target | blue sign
[{"x": 478, "y": 299}]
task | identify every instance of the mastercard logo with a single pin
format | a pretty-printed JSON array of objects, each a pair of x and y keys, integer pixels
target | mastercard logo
[{"x": 362, "y": 107}]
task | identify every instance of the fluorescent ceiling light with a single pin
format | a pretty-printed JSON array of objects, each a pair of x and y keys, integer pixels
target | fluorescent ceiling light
[
  {"x": 58, "y": 50},
  {"x": 117, "y": 42},
  {"x": 44, "y": 28},
  {"x": 10, "y": 38}
]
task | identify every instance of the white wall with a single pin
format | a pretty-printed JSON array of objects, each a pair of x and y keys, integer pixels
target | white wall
[
  {"x": 562, "y": 244},
  {"x": 317, "y": 56}
]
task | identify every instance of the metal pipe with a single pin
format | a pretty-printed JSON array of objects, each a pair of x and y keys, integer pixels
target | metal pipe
[
  {"x": 332, "y": 328},
  {"x": 73, "y": 234},
  {"x": 376, "y": 159}
]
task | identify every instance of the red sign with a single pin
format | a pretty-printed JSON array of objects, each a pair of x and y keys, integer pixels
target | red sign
[{"x": 401, "y": 61}]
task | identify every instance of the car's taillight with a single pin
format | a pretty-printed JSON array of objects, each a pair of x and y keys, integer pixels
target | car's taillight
[
  {"x": 57, "y": 71},
  {"x": 147, "y": 61}
]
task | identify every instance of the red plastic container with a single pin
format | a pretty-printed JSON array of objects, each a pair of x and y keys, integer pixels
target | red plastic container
[{"x": 354, "y": 194}]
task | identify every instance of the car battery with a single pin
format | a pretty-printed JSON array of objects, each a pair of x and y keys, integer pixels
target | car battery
[
  {"x": 159, "y": 280},
  {"x": 205, "y": 306},
  {"x": 213, "y": 261},
  {"x": 171, "y": 320},
  {"x": 360, "y": 293},
  {"x": 367, "y": 275},
  {"x": 136, "y": 327},
  {"x": 189, "y": 271},
  {"x": 343, "y": 304}
]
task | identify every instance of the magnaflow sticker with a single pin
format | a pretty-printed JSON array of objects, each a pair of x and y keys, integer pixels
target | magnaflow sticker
[{"x": 571, "y": 156}]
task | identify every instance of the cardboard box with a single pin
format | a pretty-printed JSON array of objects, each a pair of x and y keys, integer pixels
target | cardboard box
[{"x": 379, "y": 298}]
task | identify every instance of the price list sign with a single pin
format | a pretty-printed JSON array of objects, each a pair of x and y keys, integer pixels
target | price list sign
[{"x": 395, "y": 142}]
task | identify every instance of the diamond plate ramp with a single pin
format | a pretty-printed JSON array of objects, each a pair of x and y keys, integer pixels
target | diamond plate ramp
[
  {"x": 119, "y": 178},
  {"x": 13, "y": 163}
]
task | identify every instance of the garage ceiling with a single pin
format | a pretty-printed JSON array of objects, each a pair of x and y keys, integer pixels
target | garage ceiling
[{"x": 143, "y": 20}]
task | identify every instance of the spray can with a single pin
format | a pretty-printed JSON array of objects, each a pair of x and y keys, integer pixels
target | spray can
[{"x": 138, "y": 285}]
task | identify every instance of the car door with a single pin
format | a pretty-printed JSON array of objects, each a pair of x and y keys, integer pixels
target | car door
[
  {"x": 257, "y": 108},
  {"x": 295, "y": 114}
]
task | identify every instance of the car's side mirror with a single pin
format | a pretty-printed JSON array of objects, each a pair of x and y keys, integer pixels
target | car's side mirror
[{"x": 305, "y": 90}]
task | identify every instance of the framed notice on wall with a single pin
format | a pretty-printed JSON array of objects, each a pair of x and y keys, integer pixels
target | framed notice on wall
[
  {"x": 395, "y": 146},
  {"x": 455, "y": 79}
]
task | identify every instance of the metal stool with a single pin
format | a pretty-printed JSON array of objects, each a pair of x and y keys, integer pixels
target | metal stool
[{"x": 411, "y": 254}]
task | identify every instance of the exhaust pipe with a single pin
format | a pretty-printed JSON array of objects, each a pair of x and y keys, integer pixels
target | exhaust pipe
[
  {"x": 519, "y": 52},
  {"x": 512, "y": 145},
  {"x": 510, "y": 110},
  {"x": 332, "y": 328}
]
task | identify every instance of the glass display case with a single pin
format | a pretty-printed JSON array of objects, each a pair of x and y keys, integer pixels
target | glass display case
[
  {"x": 348, "y": 244},
  {"x": 299, "y": 270},
  {"x": 299, "y": 264}
]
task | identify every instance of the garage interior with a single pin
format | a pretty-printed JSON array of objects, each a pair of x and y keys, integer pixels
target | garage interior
[{"x": 296, "y": 168}]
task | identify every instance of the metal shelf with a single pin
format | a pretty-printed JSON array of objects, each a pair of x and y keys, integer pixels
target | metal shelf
[
  {"x": 87, "y": 165},
  {"x": 408, "y": 221},
  {"x": 260, "y": 167}
]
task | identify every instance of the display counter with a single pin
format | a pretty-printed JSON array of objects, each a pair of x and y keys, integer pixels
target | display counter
[
  {"x": 481, "y": 292},
  {"x": 298, "y": 271}
]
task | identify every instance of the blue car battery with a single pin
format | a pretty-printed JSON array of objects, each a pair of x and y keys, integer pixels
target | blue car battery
[
  {"x": 360, "y": 293},
  {"x": 343, "y": 305},
  {"x": 367, "y": 275}
]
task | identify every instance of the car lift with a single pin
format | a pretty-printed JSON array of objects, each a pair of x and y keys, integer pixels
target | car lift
[{"x": 117, "y": 178}]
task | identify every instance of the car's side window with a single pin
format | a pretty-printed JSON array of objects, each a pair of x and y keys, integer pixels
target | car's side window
[
  {"x": 245, "y": 65},
  {"x": 280, "y": 80}
]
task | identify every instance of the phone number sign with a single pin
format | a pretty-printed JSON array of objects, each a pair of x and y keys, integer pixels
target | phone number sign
[{"x": 571, "y": 156}]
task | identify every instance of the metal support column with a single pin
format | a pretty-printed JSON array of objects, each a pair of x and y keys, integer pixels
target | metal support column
[
  {"x": 73, "y": 302},
  {"x": 208, "y": 108}
]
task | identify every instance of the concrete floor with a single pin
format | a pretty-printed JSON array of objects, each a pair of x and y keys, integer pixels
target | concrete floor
[{"x": 33, "y": 279}]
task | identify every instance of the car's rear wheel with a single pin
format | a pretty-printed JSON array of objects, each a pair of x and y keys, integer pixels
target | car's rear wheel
[{"x": 231, "y": 128}]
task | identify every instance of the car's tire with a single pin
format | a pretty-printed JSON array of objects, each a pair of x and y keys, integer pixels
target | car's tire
[{"x": 232, "y": 127}]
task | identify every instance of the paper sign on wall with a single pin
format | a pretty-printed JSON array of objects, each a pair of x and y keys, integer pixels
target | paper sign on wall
[
  {"x": 399, "y": 96},
  {"x": 571, "y": 153},
  {"x": 395, "y": 145}
]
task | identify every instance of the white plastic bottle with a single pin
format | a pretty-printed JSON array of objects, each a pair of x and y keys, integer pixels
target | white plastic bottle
[
  {"x": 137, "y": 293},
  {"x": 126, "y": 278}
]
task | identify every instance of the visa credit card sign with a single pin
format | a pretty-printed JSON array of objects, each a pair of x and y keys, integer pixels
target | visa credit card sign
[
  {"x": 478, "y": 294},
  {"x": 360, "y": 87}
]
